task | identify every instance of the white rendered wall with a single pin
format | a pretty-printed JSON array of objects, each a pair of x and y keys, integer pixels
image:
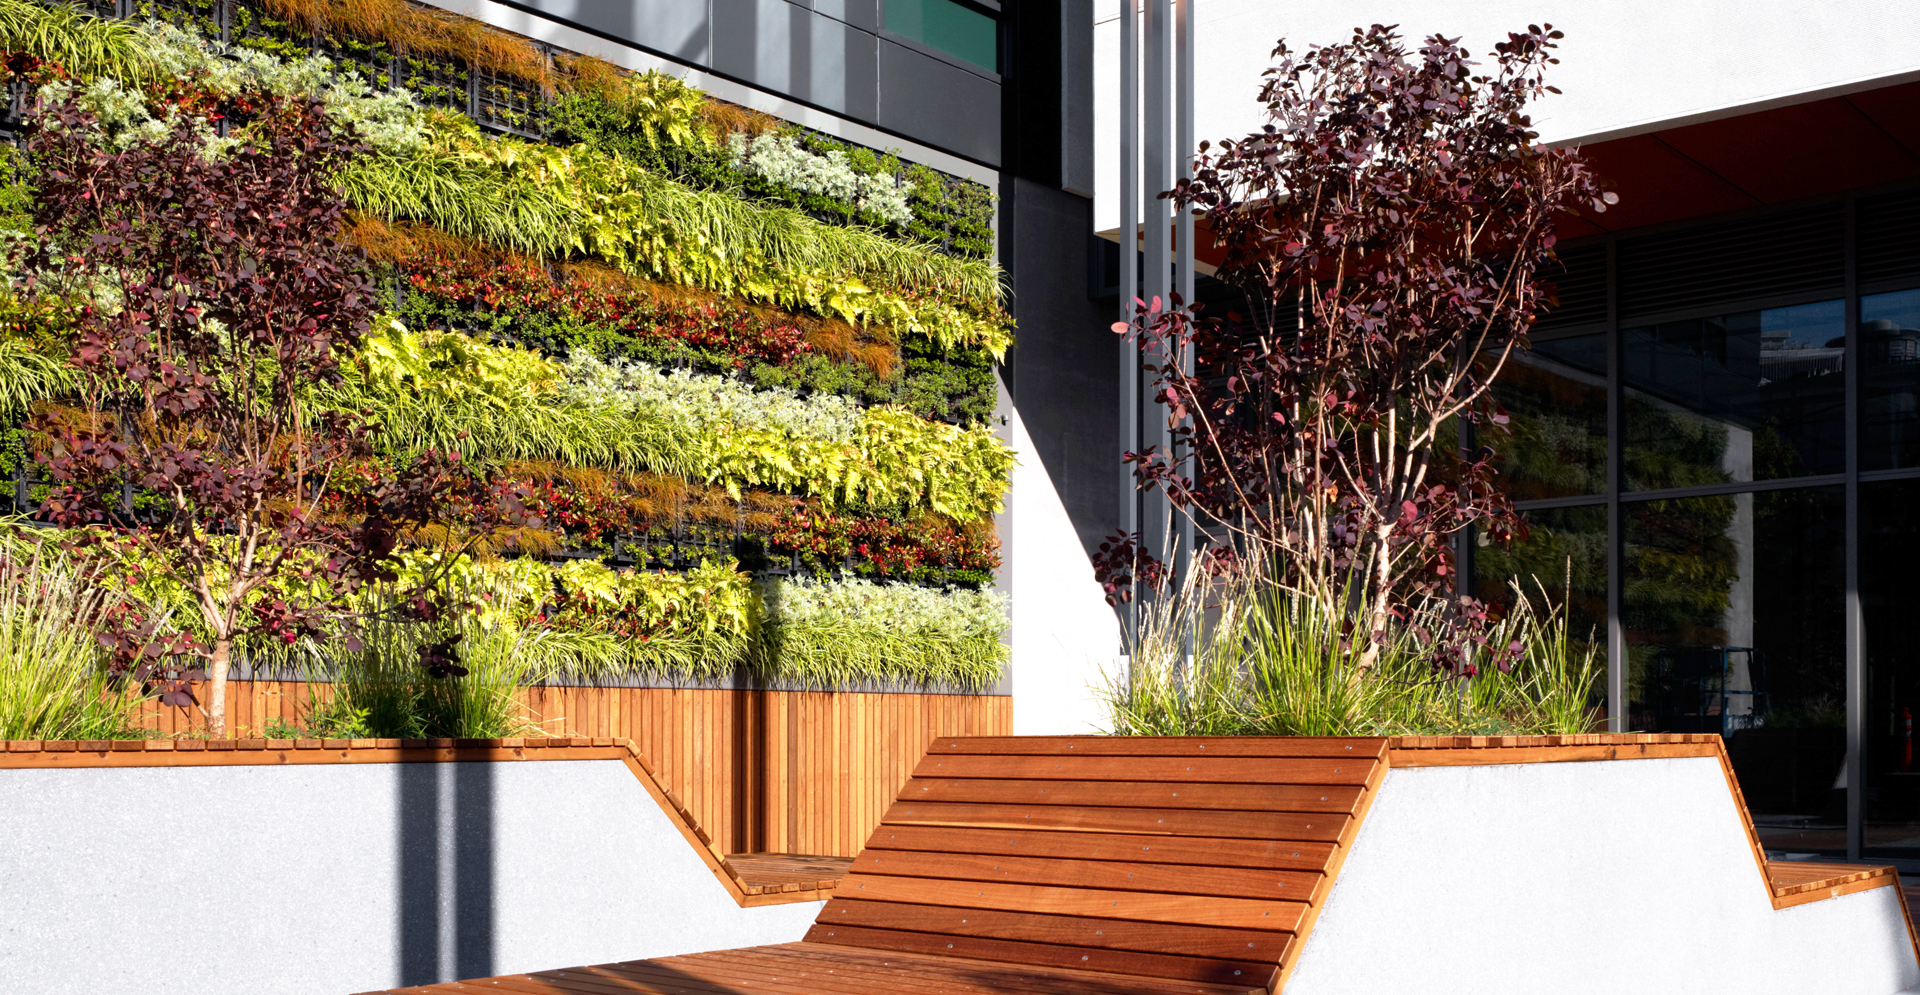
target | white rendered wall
[
  {"x": 339, "y": 878},
  {"x": 1065, "y": 638},
  {"x": 1625, "y": 65},
  {"x": 1565, "y": 878}
]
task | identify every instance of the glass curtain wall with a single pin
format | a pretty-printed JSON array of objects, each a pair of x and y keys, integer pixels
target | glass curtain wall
[{"x": 1716, "y": 441}]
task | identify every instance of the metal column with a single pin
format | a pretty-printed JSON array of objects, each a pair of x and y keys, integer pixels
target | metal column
[{"x": 1129, "y": 274}]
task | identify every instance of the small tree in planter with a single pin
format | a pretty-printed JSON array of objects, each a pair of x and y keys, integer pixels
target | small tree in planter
[
  {"x": 223, "y": 296},
  {"x": 1399, "y": 205}
]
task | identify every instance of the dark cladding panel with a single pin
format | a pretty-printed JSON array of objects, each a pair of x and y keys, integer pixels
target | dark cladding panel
[
  {"x": 788, "y": 49},
  {"x": 1778, "y": 253},
  {"x": 1061, "y": 369},
  {"x": 1076, "y": 97},
  {"x": 940, "y": 104},
  {"x": 673, "y": 27}
]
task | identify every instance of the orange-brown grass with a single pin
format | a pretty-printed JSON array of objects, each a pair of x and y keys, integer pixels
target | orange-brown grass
[
  {"x": 590, "y": 74},
  {"x": 725, "y": 119},
  {"x": 423, "y": 31},
  {"x": 399, "y": 243}
]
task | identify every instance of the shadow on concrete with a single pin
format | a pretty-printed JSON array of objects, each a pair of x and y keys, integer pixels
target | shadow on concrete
[{"x": 445, "y": 845}]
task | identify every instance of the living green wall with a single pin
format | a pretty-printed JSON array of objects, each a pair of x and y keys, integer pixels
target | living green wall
[{"x": 744, "y": 370}]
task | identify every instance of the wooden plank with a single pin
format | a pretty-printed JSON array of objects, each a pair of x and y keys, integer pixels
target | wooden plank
[
  {"x": 945, "y": 974},
  {"x": 1142, "y": 906},
  {"x": 1231, "y": 770},
  {"x": 1273, "y": 855},
  {"x": 1137, "y": 794},
  {"x": 1444, "y": 757},
  {"x": 1325, "y": 827},
  {"x": 1045, "y": 955},
  {"x": 1163, "y": 746},
  {"x": 1155, "y": 937},
  {"x": 1233, "y": 882}
]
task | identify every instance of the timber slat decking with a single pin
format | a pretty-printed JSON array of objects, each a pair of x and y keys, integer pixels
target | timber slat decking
[
  {"x": 1107, "y": 866},
  {"x": 819, "y": 969},
  {"x": 772, "y": 870}
]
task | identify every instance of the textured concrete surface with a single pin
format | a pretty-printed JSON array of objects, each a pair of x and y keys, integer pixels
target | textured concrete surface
[
  {"x": 1601, "y": 877},
  {"x": 332, "y": 879}
]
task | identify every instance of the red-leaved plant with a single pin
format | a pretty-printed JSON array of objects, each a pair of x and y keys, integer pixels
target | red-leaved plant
[
  {"x": 1398, "y": 211},
  {"x": 222, "y": 295}
]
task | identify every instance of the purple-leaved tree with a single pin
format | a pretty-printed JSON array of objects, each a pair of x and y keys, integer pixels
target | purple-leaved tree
[{"x": 1393, "y": 229}]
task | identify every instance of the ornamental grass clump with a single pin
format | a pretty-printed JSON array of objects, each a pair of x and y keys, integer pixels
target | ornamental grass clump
[
  {"x": 76, "y": 41},
  {"x": 54, "y": 682},
  {"x": 457, "y": 678},
  {"x": 1268, "y": 661},
  {"x": 834, "y": 633}
]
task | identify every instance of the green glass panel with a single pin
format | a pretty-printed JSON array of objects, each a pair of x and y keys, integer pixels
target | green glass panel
[{"x": 949, "y": 27}]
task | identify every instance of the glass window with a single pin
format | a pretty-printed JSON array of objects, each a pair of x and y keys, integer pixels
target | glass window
[
  {"x": 1555, "y": 441},
  {"x": 1889, "y": 592},
  {"x": 1889, "y": 380},
  {"x": 1565, "y": 557},
  {"x": 949, "y": 27},
  {"x": 1758, "y": 395},
  {"x": 1732, "y": 609}
]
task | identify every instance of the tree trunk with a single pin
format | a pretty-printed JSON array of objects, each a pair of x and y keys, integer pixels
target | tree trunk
[{"x": 217, "y": 668}]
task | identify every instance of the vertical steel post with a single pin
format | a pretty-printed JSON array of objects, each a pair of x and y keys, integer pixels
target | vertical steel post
[
  {"x": 1616, "y": 535},
  {"x": 1183, "y": 276},
  {"x": 1129, "y": 277},
  {"x": 1856, "y": 648},
  {"x": 1156, "y": 64}
]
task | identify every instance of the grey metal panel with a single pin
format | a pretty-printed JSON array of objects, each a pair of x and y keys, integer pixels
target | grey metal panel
[
  {"x": 1076, "y": 96},
  {"x": 786, "y": 48},
  {"x": 675, "y": 27},
  {"x": 862, "y": 14},
  {"x": 937, "y": 103}
]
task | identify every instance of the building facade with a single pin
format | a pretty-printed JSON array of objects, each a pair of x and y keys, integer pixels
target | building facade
[{"x": 1713, "y": 435}]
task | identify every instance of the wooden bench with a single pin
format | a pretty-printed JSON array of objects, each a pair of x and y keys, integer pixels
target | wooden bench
[
  {"x": 1061, "y": 864},
  {"x": 1105, "y": 866}
]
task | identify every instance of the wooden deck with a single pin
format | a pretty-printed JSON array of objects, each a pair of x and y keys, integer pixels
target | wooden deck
[
  {"x": 818, "y": 969},
  {"x": 771, "y": 870}
]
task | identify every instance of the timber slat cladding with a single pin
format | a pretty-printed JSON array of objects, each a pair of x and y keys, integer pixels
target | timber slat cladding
[{"x": 759, "y": 771}]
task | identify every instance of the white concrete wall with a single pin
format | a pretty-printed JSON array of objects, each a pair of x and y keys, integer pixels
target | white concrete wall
[
  {"x": 1564, "y": 878},
  {"x": 1065, "y": 638},
  {"x": 333, "y": 879},
  {"x": 1625, "y": 65}
]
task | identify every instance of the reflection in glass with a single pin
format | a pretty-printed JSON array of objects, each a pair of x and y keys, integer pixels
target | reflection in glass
[
  {"x": 1758, "y": 395},
  {"x": 1732, "y": 611},
  {"x": 1889, "y": 590},
  {"x": 949, "y": 27},
  {"x": 1889, "y": 380},
  {"x": 1555, "y": 396},
  {"x": 1565, "y": 553}
]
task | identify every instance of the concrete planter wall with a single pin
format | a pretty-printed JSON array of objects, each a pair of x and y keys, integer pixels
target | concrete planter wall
[{"x": 333, "y": 867}]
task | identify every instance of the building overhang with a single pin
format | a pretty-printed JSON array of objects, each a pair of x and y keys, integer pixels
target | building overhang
[{"x": 1771, "y": 154}]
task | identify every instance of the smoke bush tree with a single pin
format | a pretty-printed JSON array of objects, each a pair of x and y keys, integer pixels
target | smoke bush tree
[
  {"x": 221, "y": 297},
  {"x": 1398, "y": 211}
]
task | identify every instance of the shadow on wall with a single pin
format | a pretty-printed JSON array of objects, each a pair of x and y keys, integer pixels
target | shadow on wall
[{"x": 445, "y": 843}]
